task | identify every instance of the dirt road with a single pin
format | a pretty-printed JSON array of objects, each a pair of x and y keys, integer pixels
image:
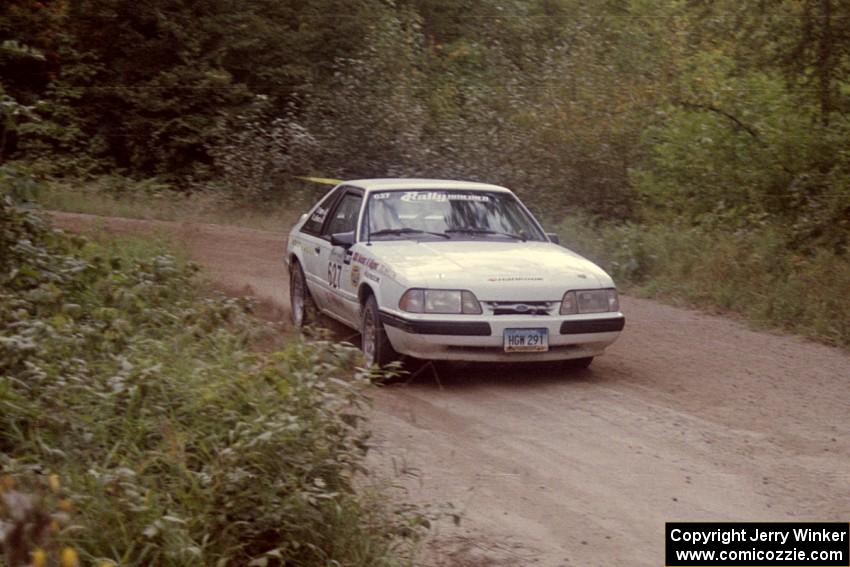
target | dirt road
[{"x": 687, "y": 417}]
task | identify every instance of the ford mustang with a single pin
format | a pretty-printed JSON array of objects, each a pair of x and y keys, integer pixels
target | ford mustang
[{"x": 447, "y": 270}]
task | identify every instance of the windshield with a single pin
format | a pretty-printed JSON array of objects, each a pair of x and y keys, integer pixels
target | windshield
[{"x": 448, "y": 214}]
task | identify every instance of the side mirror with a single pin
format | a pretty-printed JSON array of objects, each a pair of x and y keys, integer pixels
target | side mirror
[
  {"x": 553, "y": 238},
  {"x": 344, "y": 239}
]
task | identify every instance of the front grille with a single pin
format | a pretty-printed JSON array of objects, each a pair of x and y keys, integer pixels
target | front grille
[{"x": 521, "y": 307}]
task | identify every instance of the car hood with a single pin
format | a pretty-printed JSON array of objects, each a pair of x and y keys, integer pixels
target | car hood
[{"x": 491, "y": 270}]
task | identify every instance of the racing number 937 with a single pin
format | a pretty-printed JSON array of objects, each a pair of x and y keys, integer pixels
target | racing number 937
[{"x": 334, "y": 271}]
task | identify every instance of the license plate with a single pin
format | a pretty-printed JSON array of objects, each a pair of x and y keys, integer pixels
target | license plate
[{"x": 526, "y": 340}]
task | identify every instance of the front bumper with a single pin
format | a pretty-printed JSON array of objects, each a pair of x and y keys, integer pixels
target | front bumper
[{"x": 482, "y": 338}]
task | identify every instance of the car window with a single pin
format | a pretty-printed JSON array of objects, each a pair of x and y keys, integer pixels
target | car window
[
  {"x": 317, "y": 218},
  {"x": 344, "y": 216},
  {"x": 461, "y": 215}
]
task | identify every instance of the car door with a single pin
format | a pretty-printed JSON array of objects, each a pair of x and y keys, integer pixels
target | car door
[
  {"x": 339, "y": 288},
  {"x": 310, "y": 241}
]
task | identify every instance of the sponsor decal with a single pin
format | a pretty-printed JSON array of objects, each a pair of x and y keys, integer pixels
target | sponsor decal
[
  {"x": 370, "y": 263},
  {"x": 355, "y": 275},
  {"x": 372, "y": 276},
  {"x": 379, "y": 196},
  {"x": 319, "y": 215},
  {"x": 514, "y": 279},
  {"x": 439, "y": 196},
  {"x": 304, "y": 247},
  {"x": 334, "y": 272}
]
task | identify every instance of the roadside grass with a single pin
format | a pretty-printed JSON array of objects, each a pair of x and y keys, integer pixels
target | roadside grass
[
  {"x": 148, "y": 200},
  {"x": 137, "y": 427},
  {"x": 752, "y": 273},
  {"x": 131, "y": 249}
]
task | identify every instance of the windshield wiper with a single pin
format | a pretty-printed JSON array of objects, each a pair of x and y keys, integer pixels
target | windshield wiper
[
  {"x": 406, "y": 230},
  {"x": 486, "y": 231}
]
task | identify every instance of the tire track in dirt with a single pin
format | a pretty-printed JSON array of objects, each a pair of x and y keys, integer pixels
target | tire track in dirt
[{"x": 687, "y": 417}]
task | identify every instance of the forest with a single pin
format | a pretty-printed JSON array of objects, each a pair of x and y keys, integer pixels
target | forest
[{"x": 700, "y": 149}]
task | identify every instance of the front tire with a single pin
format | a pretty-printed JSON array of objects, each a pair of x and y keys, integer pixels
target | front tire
[
  {"x": 376, "y": 347},
  {"x": 580, "y": 362},
  {"x": 304, "y": 312}
]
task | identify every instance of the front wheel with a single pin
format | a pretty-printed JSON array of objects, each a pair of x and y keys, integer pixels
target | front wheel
[
  {"x": 304, "y": 310},
  {"x": 376, "y": 347},
  {"x": 580, "y": 362}
]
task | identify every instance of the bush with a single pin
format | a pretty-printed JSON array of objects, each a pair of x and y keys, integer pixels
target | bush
[
  {"x": 752, "y": 272},
  {"x": 168, "y": 441}
]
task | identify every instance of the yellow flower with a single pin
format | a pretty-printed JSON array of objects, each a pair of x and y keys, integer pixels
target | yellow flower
[
  {"x": 53, "y": 481},
  {"x": 69, "y": 558},
  {"x": 39, "y": 557},
  {"x": 106, "y": 564},
  {"x": 65, "y": 505}
]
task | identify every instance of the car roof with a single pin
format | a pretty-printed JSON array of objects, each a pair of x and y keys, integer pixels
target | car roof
[{"x": 415, "y": 183}]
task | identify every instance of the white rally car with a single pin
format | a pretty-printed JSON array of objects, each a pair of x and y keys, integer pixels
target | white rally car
[{"x": 448, "y": 270}]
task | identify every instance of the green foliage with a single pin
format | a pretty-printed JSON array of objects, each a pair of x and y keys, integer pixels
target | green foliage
[
  {"x": 383, "y": 117},
  {"x": 145, "y": 86},
  {"x": 702, "y": 109},
  {"x": 174, "y": 442},
  {"x": 18, "y": 184},
  {"x": 743, "y": 151},
  {"x": 751, "y": 272},
  {"x": 12, "y": 113},
  {"x": 256, "y": 154},
  {"x": 348, "y": 89}
]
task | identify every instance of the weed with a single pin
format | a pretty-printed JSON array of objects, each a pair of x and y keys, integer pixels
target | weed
[
  {"x": 755, "y": 273},
  {"x": 171, "y": 442}
]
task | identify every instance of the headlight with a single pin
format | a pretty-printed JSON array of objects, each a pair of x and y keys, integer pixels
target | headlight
[
  {"x": 444, "y": 301},
  {"x": 568, "y": 304},
  {"x": 469, "y": 303},
  {"x": 590, "y": 301},
  {"x": 613, "y": 300}
]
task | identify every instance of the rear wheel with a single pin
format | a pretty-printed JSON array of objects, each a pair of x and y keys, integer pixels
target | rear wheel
[
  {"x": 303, "y": 307},
  {"x": 376, "y": 347}
]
